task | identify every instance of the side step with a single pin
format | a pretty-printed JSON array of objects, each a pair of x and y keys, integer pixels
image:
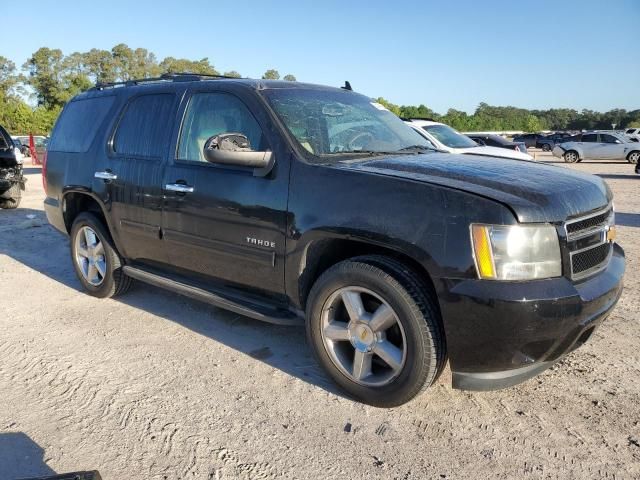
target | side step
[{"x": 258, "y": 312}]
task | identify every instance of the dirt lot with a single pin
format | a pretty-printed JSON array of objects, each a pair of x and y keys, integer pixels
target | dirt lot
[{"x": 153, "y": 385}]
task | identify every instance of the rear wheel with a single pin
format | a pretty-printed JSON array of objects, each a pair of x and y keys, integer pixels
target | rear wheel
[
  {"x": 571, "y": 156},
  {"x": 96, "y": 261},
  {"x": 546, "y": 147},
  {"x": 633, "y": 157},
  {"x": 11, "y": 198},
  {"x": 375, "y": 330}
]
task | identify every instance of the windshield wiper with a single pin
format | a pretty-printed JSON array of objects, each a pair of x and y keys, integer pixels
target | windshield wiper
[
  {"x": 365, "y": 152},
  {"x": 418, "y": 147}
]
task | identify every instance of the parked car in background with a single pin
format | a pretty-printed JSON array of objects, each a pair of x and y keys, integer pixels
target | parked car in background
[
  {"x": 632, "y": 131},
  {"x": 489, "y": 140},
  {"x": 529, "y": 139},
  {"x": 12, "y": 181},
  {"x": 546, "y": 143},
  {"x": 39, "y": 141},
  {"x": 598, "y": 146},
  {"x": 445, "y": 138},
  {"x": 17, "y": 148}
]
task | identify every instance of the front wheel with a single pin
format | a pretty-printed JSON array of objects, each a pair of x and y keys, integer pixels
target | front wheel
[
  {"x": 571, "y": 156},
  {"x": 95, "y": 259},
  {"x": 375, "y": 330},
  {"x": 546, "y": 147},
  {"x": 633, "y": 157}
]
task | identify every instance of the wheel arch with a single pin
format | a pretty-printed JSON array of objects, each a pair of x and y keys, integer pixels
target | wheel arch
[
  {"x": 75, "y": 201},
  {"x": 322, "y": 253}
]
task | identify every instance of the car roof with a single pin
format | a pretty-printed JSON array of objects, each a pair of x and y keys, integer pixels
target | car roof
[
  {"x": 422, "y": 123},
  {"x": 190, "y": 80}
]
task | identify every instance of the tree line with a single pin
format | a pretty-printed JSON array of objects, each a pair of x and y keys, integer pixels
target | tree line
[
  {"x": 492, "y": 118},
  {"x": 52, "y": 78}
]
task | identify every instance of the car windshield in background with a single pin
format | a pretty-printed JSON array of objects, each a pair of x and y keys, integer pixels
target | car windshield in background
[
  {"x": 332, "y": 124},
  {"x": 449, "y": 137}
]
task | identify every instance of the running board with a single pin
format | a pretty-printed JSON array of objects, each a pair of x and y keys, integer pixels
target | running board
[{"x": 265, "y": 314}]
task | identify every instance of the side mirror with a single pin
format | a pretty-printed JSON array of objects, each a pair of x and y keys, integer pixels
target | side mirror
[{"x": 235, "y": 149}]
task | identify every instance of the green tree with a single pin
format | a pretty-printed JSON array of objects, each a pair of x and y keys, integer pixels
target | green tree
[
  {"x": 176, "y": 65},
  {"x": 271, "y": 75},
  {"x": 289, "y": 78},
  {"x": 9, "y": 78},
  {"x": 232, "y": 74}
]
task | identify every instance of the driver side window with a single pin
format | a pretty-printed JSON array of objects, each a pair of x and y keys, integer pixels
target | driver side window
[{"x": 210, "y": 114}]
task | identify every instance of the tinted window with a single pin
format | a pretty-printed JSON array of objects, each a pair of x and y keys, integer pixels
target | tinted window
[
  {"x": 590, "y": 137},
  {"x": 144, "y": 128},
  {"x": 78, "y": 124},
  {"x": 607, "y": 138},
  {"x": 631, "y": 130},
  {"x": 211, "y": 114},
  {"x": 4, "y": 143}
]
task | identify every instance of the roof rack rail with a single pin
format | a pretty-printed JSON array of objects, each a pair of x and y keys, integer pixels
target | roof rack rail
[{"x": 165, "y": 77}]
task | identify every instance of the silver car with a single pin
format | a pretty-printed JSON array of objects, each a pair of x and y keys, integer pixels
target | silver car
[{"x": 598, "y": 146}]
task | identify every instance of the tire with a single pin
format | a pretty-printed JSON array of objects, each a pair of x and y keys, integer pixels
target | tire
[
  {"x": 571, "y": 156},
  {"x": 546, "y": 147},
  {"x": 634, "y": 157},
  {"x": 10, "y": 199},
  {"x": 100, "y": 278},
  {"x": 412, "y": 338}
]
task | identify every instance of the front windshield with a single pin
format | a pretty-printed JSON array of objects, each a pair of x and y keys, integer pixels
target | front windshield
[
  {"x": 449, "y": 137},
  {"x": 334, "y": 123}
]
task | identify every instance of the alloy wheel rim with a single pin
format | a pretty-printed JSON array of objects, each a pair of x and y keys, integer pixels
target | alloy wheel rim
[
  {"x": 90, "y": 256},
  {"x": 634, "y": 157},
  {"x": 363, "y": 336},
  {"x": 571, "y": 157}
]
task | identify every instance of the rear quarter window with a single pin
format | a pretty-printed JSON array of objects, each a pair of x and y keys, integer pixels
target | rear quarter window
[
  {"x": 78, "y": 124},
  {"x": 145, "y": 125}
]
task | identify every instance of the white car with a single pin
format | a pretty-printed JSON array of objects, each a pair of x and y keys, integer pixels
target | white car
[
  {"x": 443, "y": 137},
  {"x": 18, "y": 150},
  {"x": 598, "y": 146}
]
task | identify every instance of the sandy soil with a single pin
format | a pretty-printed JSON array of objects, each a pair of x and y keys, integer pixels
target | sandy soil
[{"x": 153, "y": 385}]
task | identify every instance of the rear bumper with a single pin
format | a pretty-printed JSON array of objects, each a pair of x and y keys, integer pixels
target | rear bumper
[
  {"x": 54, "y": 214},
  {"x": 501, "y": 333}
]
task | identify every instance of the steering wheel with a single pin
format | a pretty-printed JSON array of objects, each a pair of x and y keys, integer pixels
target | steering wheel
[{"x": 368, "y": 135}]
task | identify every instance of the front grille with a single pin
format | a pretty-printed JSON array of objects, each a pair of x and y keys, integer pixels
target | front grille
[
  {"x": 589, "y": 249},
  {"x": 584, "y": 261},
  {"x": 588, "y": 223}
]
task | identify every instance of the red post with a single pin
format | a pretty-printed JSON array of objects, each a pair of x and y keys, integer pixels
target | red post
[{"x": 32, "y": 149}]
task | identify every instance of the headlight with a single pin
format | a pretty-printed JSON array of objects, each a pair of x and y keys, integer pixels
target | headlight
[{"x": 516, "y": 252}]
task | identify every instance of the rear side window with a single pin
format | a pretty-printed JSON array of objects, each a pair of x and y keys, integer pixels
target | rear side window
[
  {"x": 78, "y": 124},
  {"x": 591, "y": 137},
  {"x": 604, "y": 138},
  {"x": 144, "y": 128}
]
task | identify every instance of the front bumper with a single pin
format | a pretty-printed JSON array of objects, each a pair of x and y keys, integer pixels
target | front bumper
[
  {"x": 558, "y": 151},
  {"x": 501, "y": 333}
]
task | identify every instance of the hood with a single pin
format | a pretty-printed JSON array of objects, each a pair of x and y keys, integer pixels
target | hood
[
  {"x": 535, "y": 192},
  {"x": 494, "y": 152}
]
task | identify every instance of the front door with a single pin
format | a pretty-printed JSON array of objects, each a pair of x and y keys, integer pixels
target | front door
[
  {"x": 222, "y": 222},
  {"x": 612, "y": 147},
  {"x": 131, "y": 180}
]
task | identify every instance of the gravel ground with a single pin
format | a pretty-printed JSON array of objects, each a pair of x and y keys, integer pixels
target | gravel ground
[{"x": 155, "y": 386}]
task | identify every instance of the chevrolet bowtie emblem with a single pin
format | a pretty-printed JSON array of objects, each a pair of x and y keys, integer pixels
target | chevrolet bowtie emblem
[{"x": 611, "y": 234}]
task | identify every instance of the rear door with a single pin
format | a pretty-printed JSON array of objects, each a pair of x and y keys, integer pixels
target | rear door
[
  {"x": 131, "y": 181},
  {"x": 589, "y": 144},
  {"x": 227, "y": 223}
]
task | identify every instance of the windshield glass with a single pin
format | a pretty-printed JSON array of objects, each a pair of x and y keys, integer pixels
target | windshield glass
[
  {"x": 335, "y": 123},
  {"x": 449, "y": 137}
]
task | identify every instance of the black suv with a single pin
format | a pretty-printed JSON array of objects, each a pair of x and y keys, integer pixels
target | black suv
[
  {"x": 12, "y": 181},
  {"x": 293, "y": 203}
]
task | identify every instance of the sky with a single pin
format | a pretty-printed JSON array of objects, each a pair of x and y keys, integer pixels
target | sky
[{"x": 444, "y": 54}]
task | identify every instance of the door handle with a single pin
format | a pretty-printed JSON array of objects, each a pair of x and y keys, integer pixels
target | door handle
[
  {"x": 107, "y": 176},
  {"x": 178, "y": 187}
]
